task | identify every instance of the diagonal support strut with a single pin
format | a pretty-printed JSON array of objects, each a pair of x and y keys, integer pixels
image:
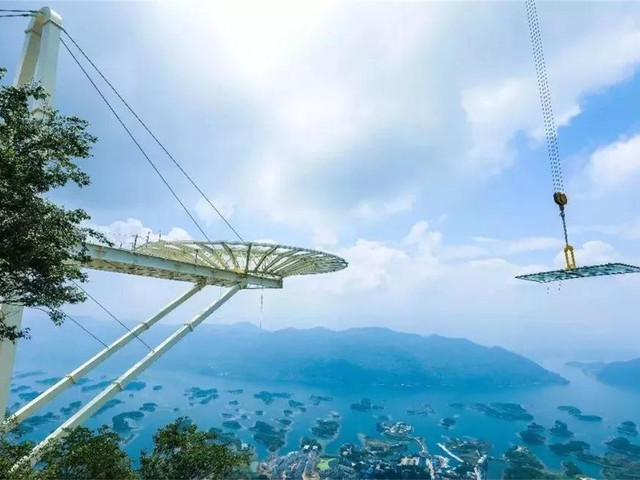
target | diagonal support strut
[
  {"x": 118, "y": 385},
  {"x": 70, "y": 379}
]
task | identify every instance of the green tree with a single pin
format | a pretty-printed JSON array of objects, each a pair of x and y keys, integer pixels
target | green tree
[
  {"x": 42, "y": 244},
  {"x": 182, "y": 451},
  {"x": 85, "y": 454},
  {"x": 10, "y": 454}
]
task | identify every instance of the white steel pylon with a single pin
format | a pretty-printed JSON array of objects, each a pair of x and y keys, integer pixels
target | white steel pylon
[{"x": 38, "y": 63}]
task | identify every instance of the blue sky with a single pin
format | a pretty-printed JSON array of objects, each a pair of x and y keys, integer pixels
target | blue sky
[{"x": 405, "y": 137}]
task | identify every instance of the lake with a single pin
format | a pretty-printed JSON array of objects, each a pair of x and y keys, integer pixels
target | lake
[{"x": 613, "y": 404}]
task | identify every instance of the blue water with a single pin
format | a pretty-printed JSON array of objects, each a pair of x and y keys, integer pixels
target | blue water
[{"x": 593, "y": 397}]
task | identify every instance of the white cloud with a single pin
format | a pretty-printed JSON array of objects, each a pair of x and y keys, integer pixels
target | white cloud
[
  {"x": 627, "y": 231},
  {"x": 615, "y": 165},
  {"x": 594, "y": 252},
  {"x": 364, "y": 108},
  {"x": 380, "y": 209},
  {"x": 324, "y": 237},
  {"x": 127, "y": 232},
  {"x": 498, "y": 111}
]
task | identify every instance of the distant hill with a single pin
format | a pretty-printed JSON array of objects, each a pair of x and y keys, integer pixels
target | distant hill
[
  {"x": 355, "y": 357},
  {"x": 626, "y": 373}
]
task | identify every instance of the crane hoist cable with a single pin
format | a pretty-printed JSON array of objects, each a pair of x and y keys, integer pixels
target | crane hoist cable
[{"x": 551, "y": 133}]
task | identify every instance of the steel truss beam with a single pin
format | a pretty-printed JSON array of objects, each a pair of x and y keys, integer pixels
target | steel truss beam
[{"x": 125, "y": 261}]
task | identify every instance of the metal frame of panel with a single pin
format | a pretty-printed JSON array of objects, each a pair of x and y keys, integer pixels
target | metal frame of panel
[{"x": 580, "y": 272}]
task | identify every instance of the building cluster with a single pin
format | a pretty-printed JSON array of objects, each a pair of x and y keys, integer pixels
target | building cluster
[{"x": 354, "y": 462}]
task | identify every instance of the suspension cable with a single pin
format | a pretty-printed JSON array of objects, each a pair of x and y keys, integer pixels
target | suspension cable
[
  {"x": 110, "y": 314},
  {"x": 551, "y": 133},
  {"x": 133, "y": 138},
  {"x": 160, "y": 144},
  {"x": 84, "y": 328},
  {"x": 16, "y": 15}
]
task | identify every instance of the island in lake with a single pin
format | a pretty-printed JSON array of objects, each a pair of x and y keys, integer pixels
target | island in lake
[
  {"x": 325, "y": 428},
  {"x": 447, "y": 422},
  {"x": 577, "y": 413},
  {"x": 121, "y": 423},
  {"x": 268, "y": 435},
  {"x": 269, "y": 397},
  {"x": 203, "y": 395},
  {"x": 560, "y": 429},
  {"x": 628, "y": 428},
  {"x": 504, "y": 411}
]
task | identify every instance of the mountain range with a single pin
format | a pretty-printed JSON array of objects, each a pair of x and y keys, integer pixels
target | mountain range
[
  {"x": 622, "y": 373},
  {"x": 357, "y": 357}
]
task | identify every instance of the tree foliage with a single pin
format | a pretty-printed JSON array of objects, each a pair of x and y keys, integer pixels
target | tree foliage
[
  {"x": 84, "y": 454},
  {"x": 41, "y": 243},
  {"x": 182, "y": 451}
]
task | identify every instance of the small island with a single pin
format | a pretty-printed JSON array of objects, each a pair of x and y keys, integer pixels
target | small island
[
  {"x": 572, "y": 447},
  {"x": 628, "y": 428},
  {"x": 424, "y": 410},
  {"x": 394, "y": 430},
  {"x": 96, "y": 386},
  {"x": 233, "y": 424},
  {"x": 287, "y": 412},
  {"x": 560, "y": 429},
  {"x": 577, "y": 413},
  {"x": 447, "y": 422},
  {"x": 535, "y": 427},
  {"x": 325, "y": 428},
  {"x": 295, "y": 404},
  {"x": 268, "y": 436},
  {"x": 49, "y": 381},
  {"x": 135, "y": 386},
  {"x": 285, "y": 421},
  {"x": 157, "y": 387},
  {"x": 71, "y": 408},
  {"x": 316, "y": 399},
  {"x": 20, "y": 388},
  {"x": 35, "y": 421},
  {"x": 35, "y": 373},
  {"x": 259, "y": 412},
  {"x": 121, "y": 423},
  {"x": 204, "y": 395},
  {"x": 269, "y": 397},
  {"x": 365, "y": 405},
  {"x": 28, "y": 396},
  {"x": 148, "y": 407},
  {"x": 570, "y": 469},
  {"x": 233, "y": 402},
  {"x": 107, "y": 405},
  {"x": 532, "y": 438},
  {"x": 504, "y": 411},
  {"x": 624, "y": 446},
  {"x": 522, "y": 463},
  {"x": 237, "y": 391}
]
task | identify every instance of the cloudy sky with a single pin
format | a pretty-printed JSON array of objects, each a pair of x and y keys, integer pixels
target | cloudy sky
[{"x": 405, "y": 137}]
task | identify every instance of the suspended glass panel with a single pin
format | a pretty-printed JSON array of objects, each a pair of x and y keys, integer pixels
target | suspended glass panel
[{"x": 581, "y": 272}]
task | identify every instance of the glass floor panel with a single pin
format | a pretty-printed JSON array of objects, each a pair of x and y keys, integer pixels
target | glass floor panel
[{"x": 581, "y": 272}]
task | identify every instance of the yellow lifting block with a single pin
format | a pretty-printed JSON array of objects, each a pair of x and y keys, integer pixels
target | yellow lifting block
[{"x": 569, "y": 257}]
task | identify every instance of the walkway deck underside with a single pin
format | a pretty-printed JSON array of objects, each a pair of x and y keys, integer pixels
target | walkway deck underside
[{"x": 125, "y": 261}]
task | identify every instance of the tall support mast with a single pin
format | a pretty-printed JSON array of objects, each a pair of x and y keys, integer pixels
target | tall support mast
[{"x": 38, "y": 63}]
